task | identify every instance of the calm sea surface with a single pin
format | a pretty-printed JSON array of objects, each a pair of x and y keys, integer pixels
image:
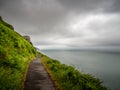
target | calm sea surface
[{"x": 101, "y": 64}]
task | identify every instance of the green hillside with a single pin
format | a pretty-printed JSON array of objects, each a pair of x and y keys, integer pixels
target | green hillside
[
  {"x": 15, "y": 55},
  {"x": 17, "y": 51},
  {"x": 69, "y": 78}
]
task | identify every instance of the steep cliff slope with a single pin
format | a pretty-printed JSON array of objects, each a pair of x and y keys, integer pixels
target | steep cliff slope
[{"x": 15, "y": 55}]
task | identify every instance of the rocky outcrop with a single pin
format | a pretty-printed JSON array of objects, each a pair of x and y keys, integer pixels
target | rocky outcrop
[{"x": 27, "y": 38}]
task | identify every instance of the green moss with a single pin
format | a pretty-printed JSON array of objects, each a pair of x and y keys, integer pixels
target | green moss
[
  {"x": 15, "y": 55},
  {"x": 70, "y": 78}
]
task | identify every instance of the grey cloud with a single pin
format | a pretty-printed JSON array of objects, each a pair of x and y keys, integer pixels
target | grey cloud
[
  {"x": 44, "y": 43},
  {"x": 106, "y": 42},
  {"x": 48, "y": 21},
  {"x": 11, "y": 7},
  {"x": 86, "y": 6},
  {"x": 9, "y": 4},
  {"x": 41, "y": 14},
  {"x": 114, "y": 7},
  {"x": 91, "y": 6}
]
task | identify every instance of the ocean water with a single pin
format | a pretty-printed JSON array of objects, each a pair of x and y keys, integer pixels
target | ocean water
[{"x": 104, "y": 65}]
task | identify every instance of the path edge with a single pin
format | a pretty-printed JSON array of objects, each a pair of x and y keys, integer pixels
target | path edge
[
  {"x": 25, "y": 74},
  {"x": 55, "y": 83}
]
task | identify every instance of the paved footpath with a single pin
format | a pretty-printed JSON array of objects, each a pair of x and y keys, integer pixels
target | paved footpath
[{"x": 37, "y": 78}]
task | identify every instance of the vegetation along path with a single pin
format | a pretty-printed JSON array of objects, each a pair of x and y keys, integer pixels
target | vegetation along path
[{"x": 37, "y": 77}]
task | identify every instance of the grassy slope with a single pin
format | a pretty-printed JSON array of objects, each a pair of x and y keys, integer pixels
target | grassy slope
[
  {"x": 15, "y": 55},
  {"x": 68, "y": 78}
]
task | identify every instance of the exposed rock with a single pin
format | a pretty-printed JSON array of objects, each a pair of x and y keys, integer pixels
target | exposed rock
[{"x": 28, "y": 39}]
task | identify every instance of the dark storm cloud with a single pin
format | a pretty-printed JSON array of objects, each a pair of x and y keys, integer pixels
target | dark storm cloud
[
  {"x": 11, "y": 7},
  {"x": 72, "y": 23},
  {"x": 29, "y": 14},
  {"x": 91, "y": 6},
  {"x": 114, "y": 7},
  {"x": 11, "y": 3},
  {"x": 85, "y": 6}
]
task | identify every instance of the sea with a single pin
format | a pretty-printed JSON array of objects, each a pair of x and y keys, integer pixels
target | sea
[{"x": 104, "y": 65}]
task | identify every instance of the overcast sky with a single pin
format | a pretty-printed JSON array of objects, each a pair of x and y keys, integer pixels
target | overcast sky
[{"x": 65, "y": 23}]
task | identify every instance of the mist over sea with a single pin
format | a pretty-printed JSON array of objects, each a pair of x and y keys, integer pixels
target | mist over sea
[{"x": 100, "y": 63}]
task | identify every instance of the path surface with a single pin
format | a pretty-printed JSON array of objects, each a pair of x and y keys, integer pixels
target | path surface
[{"x": 37, "y": 78}]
